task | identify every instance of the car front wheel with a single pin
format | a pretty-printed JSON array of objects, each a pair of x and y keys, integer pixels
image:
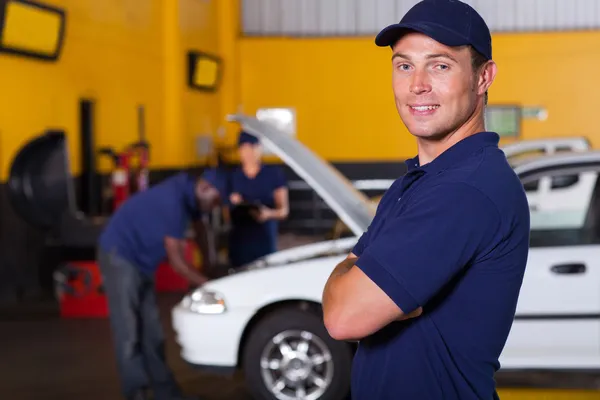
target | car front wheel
[{"x": 289, "y": 355}]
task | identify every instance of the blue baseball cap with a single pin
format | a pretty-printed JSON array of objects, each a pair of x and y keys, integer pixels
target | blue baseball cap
[
  {"x": 450, "y": 22},
  {"x": 245, "y": 137}
]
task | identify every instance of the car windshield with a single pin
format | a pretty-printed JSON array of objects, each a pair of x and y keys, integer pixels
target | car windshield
[{"x": 351, "y": 205}]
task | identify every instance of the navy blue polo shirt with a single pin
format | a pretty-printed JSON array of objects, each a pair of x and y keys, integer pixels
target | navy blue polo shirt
[
  {"x": 136, "y": 231},
  {"x": 251, "y": 241},
  {"x": 451, "y": 236}
]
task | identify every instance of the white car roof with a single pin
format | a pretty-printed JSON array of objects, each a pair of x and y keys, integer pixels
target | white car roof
[
  {"x": 546, "y": 146},
  {"x": 524, "y": 151},
  {"x": 576, "y": 158}
]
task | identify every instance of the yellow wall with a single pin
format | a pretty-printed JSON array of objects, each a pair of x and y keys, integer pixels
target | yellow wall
[
  {"x": 190, "y": 113},
  {"x": 341, "y": 89},
  {"x": 120, "y": 53}
]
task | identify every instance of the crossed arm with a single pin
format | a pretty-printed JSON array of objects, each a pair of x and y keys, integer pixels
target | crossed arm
[
  {"x": 350, "y": 296},
  {"x": 412, "y": 257}
]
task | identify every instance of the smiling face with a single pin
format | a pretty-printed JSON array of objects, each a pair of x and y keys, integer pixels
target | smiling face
[{"x": 435, "y": 87}]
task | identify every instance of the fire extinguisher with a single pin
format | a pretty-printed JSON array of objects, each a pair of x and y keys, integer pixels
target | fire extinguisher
[
  {"x": 119, "y": 176},
  {"x": 141, "y": 174}
]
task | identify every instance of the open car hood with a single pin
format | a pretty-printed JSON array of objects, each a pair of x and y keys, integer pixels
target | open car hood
[
  {"x": 351, "y": 205},
  {"x": 302, "y": 253}
]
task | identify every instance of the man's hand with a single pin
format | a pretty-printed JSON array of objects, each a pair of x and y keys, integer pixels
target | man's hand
[
  {"x": 175, "y": 253},
  {"x": 235, "y": 198},
  {"x": 262, "y": 214}
]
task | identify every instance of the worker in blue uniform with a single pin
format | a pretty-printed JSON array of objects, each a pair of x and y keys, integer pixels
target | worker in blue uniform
[
  {"x": 148, "y": 228},
  {"x": 430, "y": 289},
  {"x": 264, "y": 187}
]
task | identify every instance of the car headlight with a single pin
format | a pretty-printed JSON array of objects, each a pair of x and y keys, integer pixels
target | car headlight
[{"x": 203, "y": 301}]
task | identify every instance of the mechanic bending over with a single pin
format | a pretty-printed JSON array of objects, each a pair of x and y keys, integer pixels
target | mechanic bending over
[
  {"x": 146, "y": 229},
  {"x": 430, "y": 289},
  {"x": 256, "y": 183}
]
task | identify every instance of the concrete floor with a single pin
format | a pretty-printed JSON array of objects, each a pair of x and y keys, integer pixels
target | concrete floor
[{"x": 46, "y": 358}]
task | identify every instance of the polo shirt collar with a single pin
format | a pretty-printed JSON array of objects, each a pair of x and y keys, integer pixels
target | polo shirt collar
[{"x": 458, "y": 152}]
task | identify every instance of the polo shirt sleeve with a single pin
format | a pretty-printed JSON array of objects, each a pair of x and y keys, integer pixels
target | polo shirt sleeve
[
  {"x": 440, "y": 232},
  {"x": 360, "y": 246},
  {"x": 279, "y": 179},
  {"x": 178, "y": 233},
  {"x": 363, "y": 241}
]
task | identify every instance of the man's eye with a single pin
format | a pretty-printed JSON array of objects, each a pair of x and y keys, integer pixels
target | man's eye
[{"x": 443, "y": 67}]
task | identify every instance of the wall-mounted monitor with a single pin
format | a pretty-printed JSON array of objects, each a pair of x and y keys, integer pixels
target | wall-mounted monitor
[
  {"x": 31, "y": 29},
  {"x": 204, "y": 71},
  {"x": 505, "y": 120}
]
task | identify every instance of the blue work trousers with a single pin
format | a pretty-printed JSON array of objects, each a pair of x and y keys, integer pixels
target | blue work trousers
[{"x": 136, "y": 327}]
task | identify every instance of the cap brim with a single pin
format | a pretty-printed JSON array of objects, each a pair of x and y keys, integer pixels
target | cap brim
[{"x": 390, "y": 34}]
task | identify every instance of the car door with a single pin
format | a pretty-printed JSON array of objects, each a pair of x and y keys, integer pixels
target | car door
[{"x": 557, "y": 323}]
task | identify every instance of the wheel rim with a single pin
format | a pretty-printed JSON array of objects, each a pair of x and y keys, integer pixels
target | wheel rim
[{"x": 296, "y": 364}]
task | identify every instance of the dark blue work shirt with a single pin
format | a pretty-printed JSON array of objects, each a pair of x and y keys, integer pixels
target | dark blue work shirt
[
  {"x": 137, "y": 230},
  {"x": 251, "y": 241},
  {"x": 451, "y": 236}
]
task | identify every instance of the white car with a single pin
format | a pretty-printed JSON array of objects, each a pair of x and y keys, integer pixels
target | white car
[{"x": 265, "y": 319}]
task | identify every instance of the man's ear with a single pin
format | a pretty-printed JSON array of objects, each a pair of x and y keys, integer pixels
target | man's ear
[{"x": 487, "y": 75}]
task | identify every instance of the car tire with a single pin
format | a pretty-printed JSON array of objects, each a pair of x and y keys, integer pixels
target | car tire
[{"x": 322, "y": 367}]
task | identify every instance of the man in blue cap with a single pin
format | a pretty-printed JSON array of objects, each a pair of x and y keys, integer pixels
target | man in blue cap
[
  {"x": 148, "y": 228},
  {"x": 431, "y": 288}
]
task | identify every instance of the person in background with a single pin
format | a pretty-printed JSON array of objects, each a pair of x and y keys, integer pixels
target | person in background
[
  {"x": 148, "y": 228},
  {"x": 265, "y": 186}
]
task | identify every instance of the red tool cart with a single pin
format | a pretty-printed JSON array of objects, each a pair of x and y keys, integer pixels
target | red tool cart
[{"x": 79, "y": 290}]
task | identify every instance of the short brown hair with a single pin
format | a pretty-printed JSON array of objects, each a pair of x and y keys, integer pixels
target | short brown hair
[{"x": 477, "y": 61}]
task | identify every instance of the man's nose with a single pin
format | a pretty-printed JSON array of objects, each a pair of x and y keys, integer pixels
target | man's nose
[{"x": 420, "y": 82}]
